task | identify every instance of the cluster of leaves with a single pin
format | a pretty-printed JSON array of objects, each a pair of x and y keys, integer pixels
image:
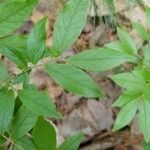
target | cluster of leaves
[{"x": 23, "y": 112}]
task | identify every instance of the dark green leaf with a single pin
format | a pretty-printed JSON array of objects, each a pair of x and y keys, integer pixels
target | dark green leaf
[
  {"x": 38, "y": 102},
  {"x": 44, "y": 135},
  {"x": 18, "y": 41},
  {"x": 69, "y": 24},
  {"x": 7, "y": 101},
  {"x": 73, "y": 80},
  {"x": 37, "y": 41},
  {"x": 23, "y": 122},
  {"x": 73, "y": 142},
  {"x": 16, "y": 56},
  {"x": 25, "y": 143},
  {"x": 13, "y": 14},
  {"x": 99, "y": 59},
  {"x": 23, "y": 77},
  {"x": 4, "y": 76},
  {"x": 146, "y": 145}
]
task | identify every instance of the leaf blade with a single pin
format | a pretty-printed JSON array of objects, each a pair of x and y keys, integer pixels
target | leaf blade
[
  {"x": 73, "y": 142},
  {"x": 99, "y": 59},
  {"x": 36, "y": 41},
  {"x": 125, "y": 115},
  {"x": 73, "y": 80},
  {"x": 16, "y": 12},
  {"x": 44, "y": 135},
  {"x": 69, "y": 24},
  {"x": 7, "y": 102},
  {"x": 23, "y": 122},
  {"x": 38, "y": 102}
]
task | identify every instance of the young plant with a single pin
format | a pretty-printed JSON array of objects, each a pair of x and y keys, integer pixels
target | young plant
[{"x": 24, "y": 112}]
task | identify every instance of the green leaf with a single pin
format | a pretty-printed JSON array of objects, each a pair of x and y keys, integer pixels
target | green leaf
[
  {"x": 18, "y": 104},
  {"x": 44, "y": 135},
  {"x": 13, "y": 14},
  {"x": 69, "y": 24},
  {"x": 18, "y": 41},
  {"x": 125, "y": 115},
  {"x": 146, "y": 53},
  {"x": 144, "y": 118},
  {"x": 141, "y": 31},
  {"x": 2, "y": 141},
  {"x": 147, "y": 11},
  {"x": 37, "y": 41},
  {"x": 4, "y": 76},
  {"x": 73, "y": 142},
  {"x": 126, "y": 97},
  {"x": 7, "y": 102},
  {"x": 38, "y": 102},
  {"x": 116, "y": 45},
  {"x": 127, "y": 41},
  {"x": 23, "y": 77},
  {"x": 23, "y": 122},
  {"x": 16, "y": 56},
  {"x": 73, "y": 80},
  {"x": 146, "y": 145},
  {"x": 25, "y": 143},
  {"x": 131, "y": 81},
  {"x": 99, "y": 59}
]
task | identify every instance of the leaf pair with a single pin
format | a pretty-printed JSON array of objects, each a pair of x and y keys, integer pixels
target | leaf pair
[{"x": 135, "y": 99}]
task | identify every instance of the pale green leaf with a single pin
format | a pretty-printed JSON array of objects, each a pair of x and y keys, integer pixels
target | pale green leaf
[
  {"x": 36, "y": 42},
  {"x": 144, "y": 117},
  {"x": 73, "y": 80},
  {"x": 125, "y": 115},
  {"x": 7, "y": 102},
  {"x": 23, "y": 122},
  {"x": 44, "y": 135},
  {"x": 99, "y": 59},
  {"x": 127, "y": 41},
  {"x": 73, "y": 142},
  {"x": 141, "y": 31},
  {"x": 126, "y": 97},
  {"x": 14, "y": 13},
  {"x": 147, "y": 11},
  {"x": 116, "y": 45},
  {"x": 69, "y": 24},
  {"x": 131, "y": 81},
  {"x": 38, "y": 102},
  {"x": 146, "y": 60}
]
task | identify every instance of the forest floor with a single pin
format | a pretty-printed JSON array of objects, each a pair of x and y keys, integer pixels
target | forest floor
[{"x": 94, "y": 117}]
